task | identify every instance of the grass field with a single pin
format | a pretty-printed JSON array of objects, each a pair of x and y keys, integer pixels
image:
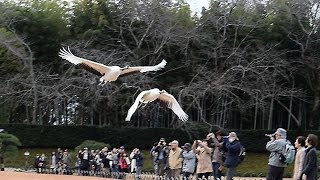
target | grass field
[{"x": 254, "y": 165}]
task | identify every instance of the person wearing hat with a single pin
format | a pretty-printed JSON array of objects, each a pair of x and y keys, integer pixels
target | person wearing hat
[
  {"x": 231, "y": 147},
  {"x": 276, "y": 144},
  {"x": 160, "y": 153},
  {"x": 189, "y": 161}
]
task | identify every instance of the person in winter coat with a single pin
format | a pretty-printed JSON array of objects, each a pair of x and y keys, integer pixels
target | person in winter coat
[
  {"x": 203, "y": 154},
  {"x": 137, "y": 156},
  {"x": 84, "y": 156},
  {"x": 189, "y": 161},
  {"x": 216, "y": 142},
  {"x": 231, "y": 147},
  {"x": 275, "y": 145},
  {"x": 299, "y": 144},
  {"x": 160, "y": 152},
  {"x": 175, "y": 160},
  {"x": 106, "y": 159},
  {"x": 124, "y": 163},
  {"x": 310, "y": 167}
]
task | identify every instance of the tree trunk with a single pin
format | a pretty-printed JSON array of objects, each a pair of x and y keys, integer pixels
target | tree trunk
[
  {"x": 65, "y": 112},
  {"x": 270, "y": 114},
  {"x": 91, "y": 116},
  {"x": 1, "y": 157},
  {"x": 290, "y": 112},
  {"x": 224, "y": 112},
  {"x": 27, "y": 115},
  {"x": 315, "y": 108},
  {"x": 256, "y": 113}
]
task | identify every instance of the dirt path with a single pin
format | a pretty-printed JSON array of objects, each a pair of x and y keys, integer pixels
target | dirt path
[
  {"x": 8, "y": 175},
  {"x": 33, "y": 176}
]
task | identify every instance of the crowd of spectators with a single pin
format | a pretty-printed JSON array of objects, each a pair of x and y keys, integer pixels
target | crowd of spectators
[
  {"x": 202, "y": 158},
  {"x": 107, "y": 161}
]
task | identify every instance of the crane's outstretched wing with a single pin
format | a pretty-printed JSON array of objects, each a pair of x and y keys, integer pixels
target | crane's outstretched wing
[
  {"x": 135, "y": 105},
  {"x": 91, "y": 66},
  {"x": 144, "y": 68},
  {"x": 174, "y": 105}
]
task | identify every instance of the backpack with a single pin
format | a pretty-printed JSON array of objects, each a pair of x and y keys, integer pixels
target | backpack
[
  {"x": 288, "y": 153},
  {"x": 242, "y": 153}
]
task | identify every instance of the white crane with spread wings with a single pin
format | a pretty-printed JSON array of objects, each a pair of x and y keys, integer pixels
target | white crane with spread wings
[
  {"x": 151, "y": 95},
  {"x": 107, "y": 73}
]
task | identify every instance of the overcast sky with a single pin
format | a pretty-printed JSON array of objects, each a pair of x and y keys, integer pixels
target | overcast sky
[{"x": 196, "y": 5}]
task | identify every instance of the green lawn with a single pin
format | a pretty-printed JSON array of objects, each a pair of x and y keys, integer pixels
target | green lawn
[{"x": 255, "y": 164}]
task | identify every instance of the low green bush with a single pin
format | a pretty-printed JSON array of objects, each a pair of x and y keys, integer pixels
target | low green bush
[{"x": 90, "y": 144}]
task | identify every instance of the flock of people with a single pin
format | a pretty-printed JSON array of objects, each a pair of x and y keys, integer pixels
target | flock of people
[{"x": 202, "y": 159}]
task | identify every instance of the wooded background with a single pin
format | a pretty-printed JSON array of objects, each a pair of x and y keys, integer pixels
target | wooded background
[{"x": 241, "y": 64}]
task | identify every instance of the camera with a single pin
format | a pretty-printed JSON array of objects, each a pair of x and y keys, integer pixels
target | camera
[
  {"x": 161, "y": 143},
  {"x": 270, "y": 135},
  {"x": 198, "y": 142}
]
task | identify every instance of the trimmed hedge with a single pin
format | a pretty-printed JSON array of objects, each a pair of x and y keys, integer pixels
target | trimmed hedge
[
  {"x": 71, "y": 136},
  {"x": 143, "y": 138}
]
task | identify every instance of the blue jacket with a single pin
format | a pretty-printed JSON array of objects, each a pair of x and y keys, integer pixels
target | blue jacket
[
  {"x": 231, "y": 153},
  {"x": 189, "y": 161}
]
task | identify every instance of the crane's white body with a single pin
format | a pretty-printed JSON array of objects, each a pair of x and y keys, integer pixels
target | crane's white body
[{"x": 154, "y": 94}]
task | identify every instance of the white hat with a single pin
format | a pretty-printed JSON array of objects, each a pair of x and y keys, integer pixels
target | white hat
[{"x": 282, "y": 132}]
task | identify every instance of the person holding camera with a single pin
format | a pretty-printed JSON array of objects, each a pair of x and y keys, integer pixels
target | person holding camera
[
  {"x": 203, "y": 154},
  {"x": 216, "y": 142},
  {"x": 160, "y": 153},
  {"x": 232, "y": 148},
  {"x": 275, "y": 145},
  {"x": 84, "y": 157},
  {"x": 137, "y": 162},
  {"x": 188, "y": 161}
]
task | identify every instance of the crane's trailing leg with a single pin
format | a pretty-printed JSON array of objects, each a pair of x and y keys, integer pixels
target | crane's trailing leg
[
  {"x": 144, "y": 105},
  {"x": 102, "y": 82},
  {"x": 140, "y": 104}
]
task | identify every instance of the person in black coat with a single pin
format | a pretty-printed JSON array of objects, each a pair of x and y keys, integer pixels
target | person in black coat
[
  {"x": 36, "y": 162},
  {"x": 310, "y": 167},
  {"x": 85, "y": 159},
  {"x": 231, "y": 147}
]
